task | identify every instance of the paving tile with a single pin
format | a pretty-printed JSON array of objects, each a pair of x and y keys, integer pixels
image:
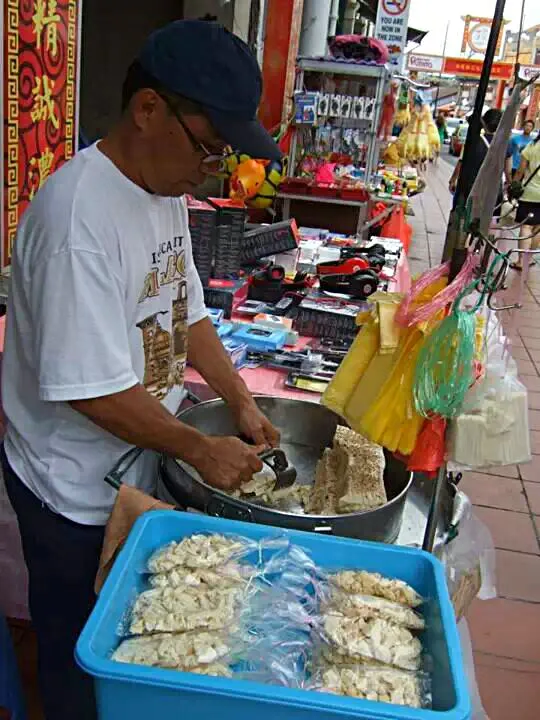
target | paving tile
[
  {"x": 531, "y": 383},
  {"x": 529, "y": 309},
  {"x": 531, "y": 471},
  {"x": 531, "y": 343},
  {"x": 528, "y": 316},
  {"x": 418, "y": 268},
  {"x": 507, "y": 471},
  {"x": 530, "y": 333},
  {"x": 534, "y": 419},
  {"x": 532, "y": 353},
  {"x": 508, "y": 628},
  {"x": 510, "y": 530},
  {"x": 522, "y": 353},
  {"x": 532, "y": 490},
  {"x": 526, "y": 367},
  {"x": 518, "y": 576},
  {"x": 505, "y": 663},
  {"x": 527, "y": 321},
  {"x": 508, "y": 694},
  {"x": 534, "y": 400},
  {"x": 516, "y": 342},
  {"x": 493, "y": 491},
  {"x": 535, "y": 442}
]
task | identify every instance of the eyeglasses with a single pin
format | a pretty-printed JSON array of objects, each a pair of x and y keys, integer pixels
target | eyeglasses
[{"x": 209, "y": 158}]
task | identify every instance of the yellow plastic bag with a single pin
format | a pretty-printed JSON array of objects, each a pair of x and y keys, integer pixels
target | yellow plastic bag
[
  {"x": 381, "y": 406},
  {"x": 368, "y": 388},
  {"x": 378, "y": 334},
  {"x": 391, "y": 420},
  {"x": 352, "y": 367}
]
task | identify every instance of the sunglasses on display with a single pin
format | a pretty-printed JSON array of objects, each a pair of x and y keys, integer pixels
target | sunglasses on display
[{"x": 209, "y": 158}]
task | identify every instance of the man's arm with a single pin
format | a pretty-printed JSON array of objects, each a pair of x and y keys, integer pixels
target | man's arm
[
  {"x": 455, "y": 176},
  {"x": 141, "y": 420},
  {"x": 508, "y": 167},
  {"x": 82, "y": 357},
  {"x": 208, "y": 356},
  {"x": 520, "y": 174}
]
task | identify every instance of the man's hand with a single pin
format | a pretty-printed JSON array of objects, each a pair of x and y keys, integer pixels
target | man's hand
[
  {"x": 208, "y": 356},
  {"x": 226, "y": 462},
  {"x": 254, "y": 425},
  {"x": 452, "y": 185}
]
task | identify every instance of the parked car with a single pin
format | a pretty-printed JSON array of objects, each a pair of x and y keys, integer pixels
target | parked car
[
  {"x": 458, "y": 139},
  {"x": 452, "y": 125}
]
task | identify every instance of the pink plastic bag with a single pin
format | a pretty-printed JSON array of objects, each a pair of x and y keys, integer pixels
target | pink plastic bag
[{"x": 325, "y": 174}]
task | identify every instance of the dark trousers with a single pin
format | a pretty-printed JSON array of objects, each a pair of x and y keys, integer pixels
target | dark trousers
[{"x": 62, "y": 560}]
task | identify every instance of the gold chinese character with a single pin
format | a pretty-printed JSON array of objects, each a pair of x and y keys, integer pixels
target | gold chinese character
[
  {"x": 46, "y": 17},
  {"x": 44, "y": 108},
  {"x": 41, "y": 167}
]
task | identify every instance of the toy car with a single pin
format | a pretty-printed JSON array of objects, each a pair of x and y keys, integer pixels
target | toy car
[
  {"x": 342, "y": 266},
  {"x": 269, "y": 284},
  {"x": 353, "y": 259}
]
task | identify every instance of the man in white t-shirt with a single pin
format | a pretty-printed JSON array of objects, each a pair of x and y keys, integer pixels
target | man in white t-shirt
[{"x": 105, "y": 309}]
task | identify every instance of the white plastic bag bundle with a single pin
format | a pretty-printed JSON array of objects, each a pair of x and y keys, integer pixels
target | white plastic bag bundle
[
  {"x": 470, "y": 562},
  {"x": 493, "y": 426}
]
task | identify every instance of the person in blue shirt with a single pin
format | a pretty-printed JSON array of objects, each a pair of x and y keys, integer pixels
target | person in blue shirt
[{"x": 518, "y": 142}]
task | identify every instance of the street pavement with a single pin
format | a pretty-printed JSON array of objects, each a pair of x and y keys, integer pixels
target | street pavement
[
  {"x": 505, "y": 632},
  {"x": 445, "y": 155}
]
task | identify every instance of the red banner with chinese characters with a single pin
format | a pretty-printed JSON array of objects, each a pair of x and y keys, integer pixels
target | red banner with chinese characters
[
  {"x": 473, "y": 68},
  {"x": 40, "y": 67}
]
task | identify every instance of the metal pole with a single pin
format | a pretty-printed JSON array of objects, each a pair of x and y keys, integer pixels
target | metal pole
[
  {"x": 518, "y": 49},
  {"x": 455, "y": 237},
  {"x": 442, "y": 67}
]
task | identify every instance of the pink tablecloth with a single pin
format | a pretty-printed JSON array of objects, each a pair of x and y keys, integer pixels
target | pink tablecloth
[{"x": 262, "y": 381}]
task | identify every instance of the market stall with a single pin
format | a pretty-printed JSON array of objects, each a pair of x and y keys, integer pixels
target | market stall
[
  {"x": 330, "y": 334},
  {"x": 436, "y": 323},
  {"x": 343, "y": 151}
]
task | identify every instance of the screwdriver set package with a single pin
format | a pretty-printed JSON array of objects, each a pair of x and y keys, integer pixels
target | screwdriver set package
[
  {"x": 269, "y": 240},
  {"x": 217, "y": 235},
  {"x": 202, "y": 228},
  {"x": 231, "y": 220},
  {"x": 225, "y": 295},
  {"x": 322, "y": 316}
]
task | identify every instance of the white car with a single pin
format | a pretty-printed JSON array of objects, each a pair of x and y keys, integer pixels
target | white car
[{"x": 452, "y": 125}]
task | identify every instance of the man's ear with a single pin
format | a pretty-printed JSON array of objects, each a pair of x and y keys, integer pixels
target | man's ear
[{"x": 144, "y": 107}]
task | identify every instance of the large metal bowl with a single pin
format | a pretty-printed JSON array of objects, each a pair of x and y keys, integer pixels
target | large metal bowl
[{"x": 306, "y": 429}]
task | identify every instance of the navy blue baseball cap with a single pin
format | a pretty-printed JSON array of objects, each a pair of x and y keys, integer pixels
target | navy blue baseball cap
[{"x": 204, "y": 62}]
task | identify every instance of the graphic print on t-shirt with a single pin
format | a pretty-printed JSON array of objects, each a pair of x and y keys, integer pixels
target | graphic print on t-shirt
[{"x": 164, "y": 336}]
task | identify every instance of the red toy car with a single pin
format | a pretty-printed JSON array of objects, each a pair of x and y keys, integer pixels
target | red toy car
[{"x": 345, "y": 266}]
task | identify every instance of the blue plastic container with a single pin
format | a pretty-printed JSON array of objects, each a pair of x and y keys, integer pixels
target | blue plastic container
[{"x": 139, "y": 693}]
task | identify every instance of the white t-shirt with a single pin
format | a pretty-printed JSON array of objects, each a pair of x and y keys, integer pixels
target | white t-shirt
[
  {"x": 532, "y": 190},
  {"x": 100, "y": 280}
]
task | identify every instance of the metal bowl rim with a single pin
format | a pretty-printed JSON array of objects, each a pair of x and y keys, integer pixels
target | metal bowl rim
[{"x": 320, "y": 518}]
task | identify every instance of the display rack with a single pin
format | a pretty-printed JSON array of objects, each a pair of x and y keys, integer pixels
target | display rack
[{"x": 354, "y": 82}]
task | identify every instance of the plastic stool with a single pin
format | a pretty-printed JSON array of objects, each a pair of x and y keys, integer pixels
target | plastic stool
[{"x": 11, "y": 697}]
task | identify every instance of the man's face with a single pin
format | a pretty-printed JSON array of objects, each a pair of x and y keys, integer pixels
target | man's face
[
  {"x": 528, "y": 128},
  {"x": 176, "y": 145}
]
